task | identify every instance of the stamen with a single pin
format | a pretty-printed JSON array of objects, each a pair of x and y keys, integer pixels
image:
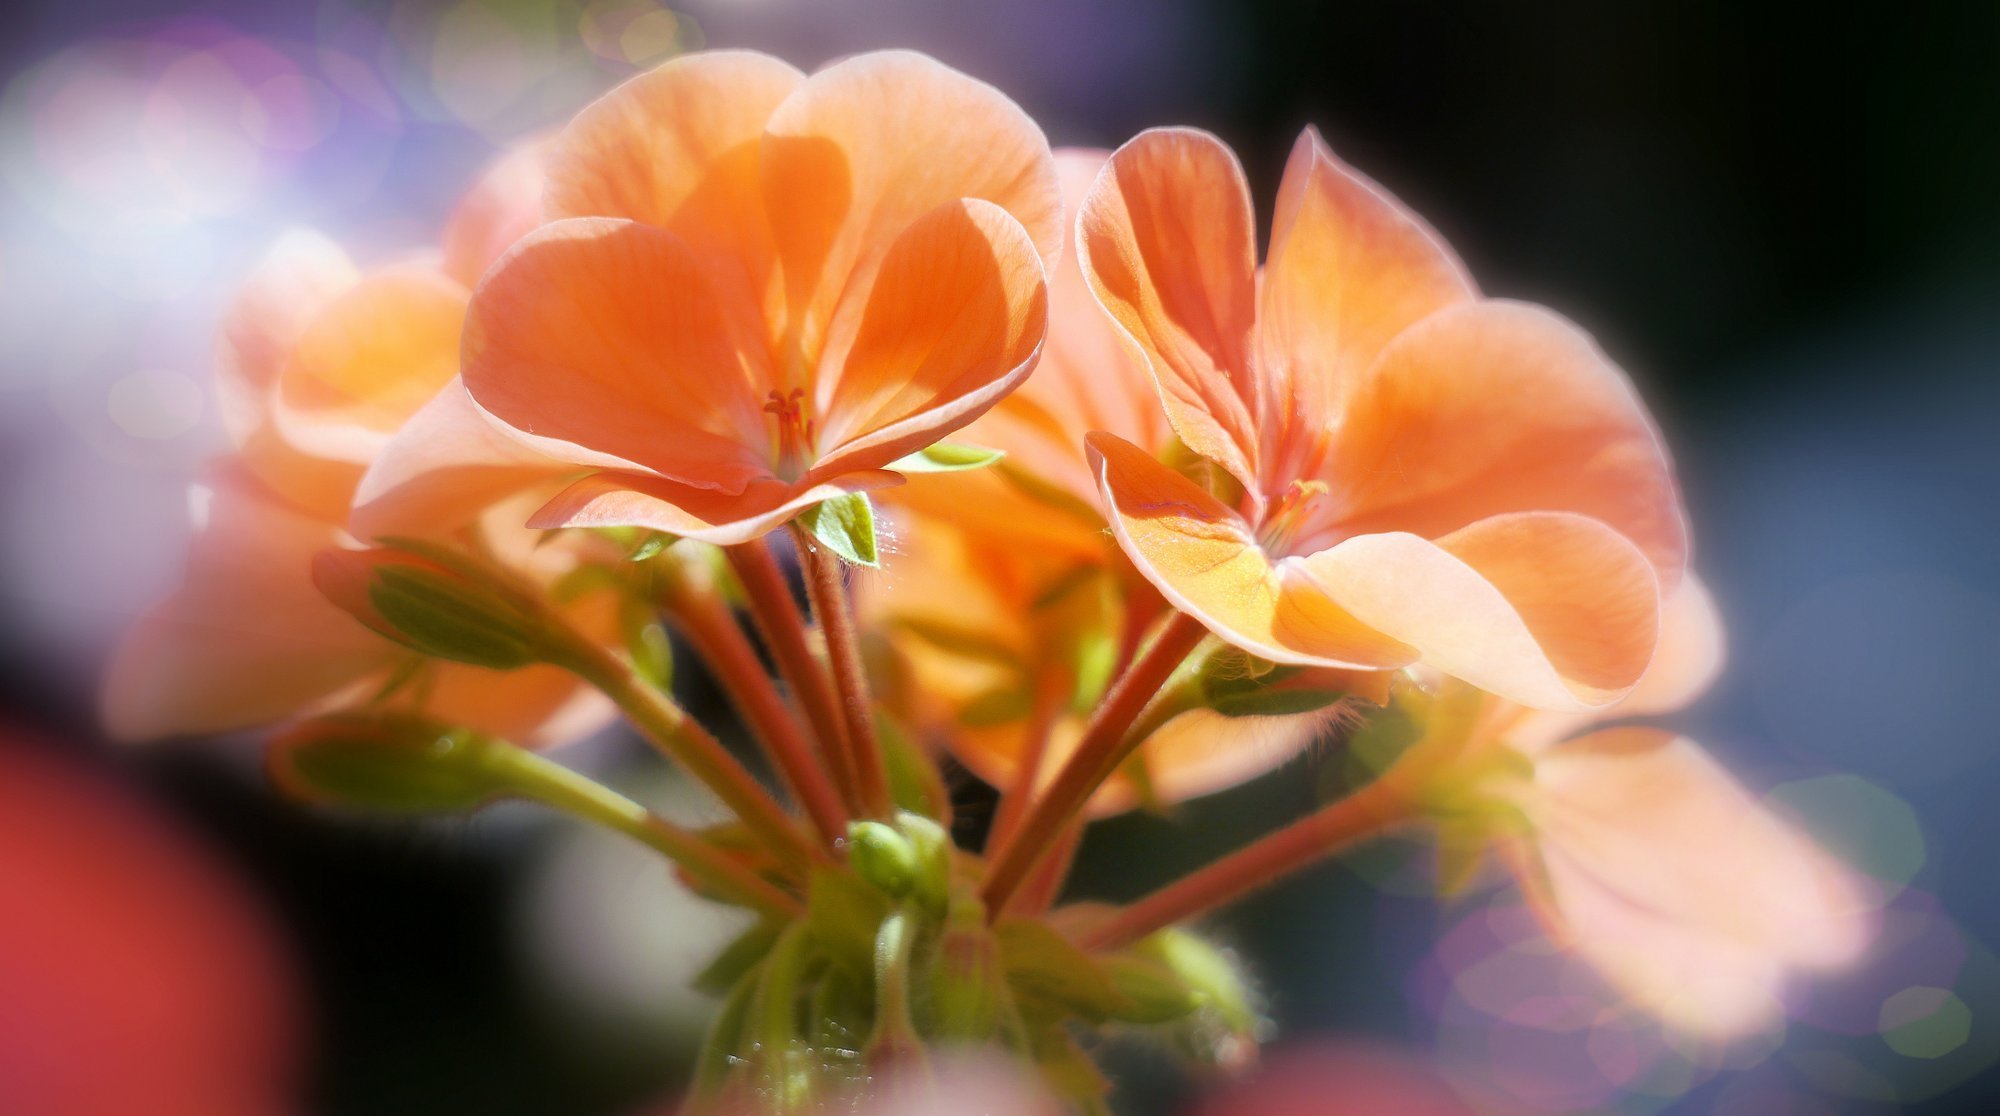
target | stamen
[
  {"x": 795, "y": 431},
  {"x": 1292, "y": 513}
]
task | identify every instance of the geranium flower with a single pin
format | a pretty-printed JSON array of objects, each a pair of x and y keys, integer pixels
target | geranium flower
[
  {"x": 1424, "y": 475},
  {"x": 1641, "y": 853},
  {"x": 756, "y": 291},
  {"x": 320, "y": 364}
]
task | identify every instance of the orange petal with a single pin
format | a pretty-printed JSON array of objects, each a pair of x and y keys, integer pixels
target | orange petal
[
  {"x": 1202, "y": 557},
  {"x": 1544, "y": 609},
  {"x": 444, "y": 468},
  {"x": 1349, "y": 269},
  {"x": 1642, "y": 820},
  {"x": 246, "y": 639},
  {"x": 295, "y": 281},
  {"x": 503, "y": 206},
  {"x": 872, "y": 143},
  {"x": 364, "y": 365},
  {"x": 1087, "y": 379},
  {"x": 1165, "y": 240},
  {"x": 678, "y": 147},
  {"x": 607, "y": 342},
  {"x": 951, "y": 323},
  {"x": 1494, "y": 407},
  {"x": 613, "y": 499}
]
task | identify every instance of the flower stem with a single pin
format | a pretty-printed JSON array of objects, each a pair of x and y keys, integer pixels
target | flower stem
[
  {"x": 1051, "y": 691},
  {"x": 708, "y": 626},
  {"x": 669, "y": 728},
  {"x": 783, "y": 629},
  {"x": 558, "y": 787},
  {"x": 1106, "y": 742},
  {"x": 827, "y": 588},
  {"x": 1381, "y": 805}
]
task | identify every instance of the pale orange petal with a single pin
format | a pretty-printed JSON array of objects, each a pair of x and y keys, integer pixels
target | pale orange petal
[
  {"x": 607, "y": 342},
  {"x": 246, "y": 639},
  {"x": 1495, "y": 407},
  {"x": 1165, "y": 239},
  {"x": 679, "y": 147},
  {"x": 613, "y": 499},
  {"x": 1350, "y": 268},
  {"x": 295, "y": 281},
  {"x": 503, "y": 205},
  {"x": 1547, "y": 609},
  {"x": 535, "y": 707},
  {"x": 1087, "y": 379},
  {"x": 872, "y": 143},
  {"x": 1202, "y": 557},
  {"x": 950, "y": 324},
  {"x": 1653, "y": 822},
  {"x": 444, "y": 468}
]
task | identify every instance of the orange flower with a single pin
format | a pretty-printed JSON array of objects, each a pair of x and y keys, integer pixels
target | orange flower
[
  {"x": 1425, "y": 475},
  {"x": 757, "y": 291},
  {"x": 320, "y": 364},
  {"x": 1638, "y": 851}
]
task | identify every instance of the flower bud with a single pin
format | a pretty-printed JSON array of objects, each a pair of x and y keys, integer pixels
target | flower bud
[
  {"x": 883, "y": 857},
  {"x": 430, "y": 608},
  {"x": 390, "y": 762}
]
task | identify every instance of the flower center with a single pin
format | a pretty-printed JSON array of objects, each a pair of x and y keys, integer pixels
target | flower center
[
  {"x": 1292, "y": 514},
  {"x": 795, "y": 431}
]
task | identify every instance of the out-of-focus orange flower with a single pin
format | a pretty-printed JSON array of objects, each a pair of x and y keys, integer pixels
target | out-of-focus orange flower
[
  {"x": 320, "y": 365},
  {"x": 756, "y": 291},
  {"x": 1638, "y": 851},
  {"x": 1425, "y": 475},
  {"x": 1335, "y": 1079},
  {"x": 134, "y": 975}
]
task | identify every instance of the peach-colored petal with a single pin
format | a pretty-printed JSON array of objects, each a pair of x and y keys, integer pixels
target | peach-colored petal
[
  {"x": 1545, "y": 609},
  {"x": 535, "y": 707},
  {"x": 608, "y": 342},
  {"x": 1165, "y": 240},
  {"x": 246, "y": 639},
  {"x": 872, "y": 143},
  {"x": 377, "y": 353},
  {"x": 950, "y": 324},
  {"x": 444, "y": 468},
  {"x": 1202, "y": 557},
  {"x": 504, "y": 205},
  {"x": 1642, "y": 824},
  {"x": 1493, "y": 407},
  {"x": 1087, "y": 378},
  {"x": 1349, "y": 269},
  {"x": 613, "y": 499},
  {"x": 679, "y": 147},
  {"x": 295, "y": 281}
]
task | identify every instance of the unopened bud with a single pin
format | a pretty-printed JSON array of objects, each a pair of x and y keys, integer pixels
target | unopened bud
[
  {"x": 394, "y": 763},
  {"x": 429, "y": 607},
  {"x": 883, "y": 857}
]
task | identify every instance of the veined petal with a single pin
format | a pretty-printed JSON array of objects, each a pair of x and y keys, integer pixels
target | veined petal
[
  {"x": 1203, "y": 558},
  {"x": 1350, "y": 268},
  {"x": 367, "y": 363},
  {"x": 1492, "y": 407},
  {"x": 1087, "y": 378},
  {"x": 1165, "y": 239},
  {"x": 444, "y": 468},
  {"x": 950, "y": 324},
  {"x": 246, "y": 639},
  {"x": 613, "y": 499},
  {"x": 869, "y": 145},
  {"x": 295, "y": 281},
  {"x": 678, "y": 147},
  {"x": 1644, "y": 821},
  {"x": 503, "y": 206},
  {"x": 1547, "y": 609},
  {"x": 607, "y": 340}
]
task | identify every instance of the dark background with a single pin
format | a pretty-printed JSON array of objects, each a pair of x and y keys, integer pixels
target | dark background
[{"x": 1782, "y": 219}]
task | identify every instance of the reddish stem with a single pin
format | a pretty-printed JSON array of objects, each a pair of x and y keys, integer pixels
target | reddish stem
[
  {"x": 783, "y": 629},
  {"x": 1051, "y": 691},
  {"x": 714, "y": 633},
  {"x": 826, "y": 587},
  {"x": 1105, "y": 744}
]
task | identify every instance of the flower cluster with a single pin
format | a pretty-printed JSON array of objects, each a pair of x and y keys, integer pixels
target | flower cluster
[{"x": 1130, "y": 518}]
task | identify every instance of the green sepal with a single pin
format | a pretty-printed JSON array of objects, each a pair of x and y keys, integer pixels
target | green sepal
[
  {"x": 719, "y": 1057},
  {"x": 646, "y": 643},
  {"x": 969, "y": 999},
  {"x": 844, "y": 912},
  {"x": 1210, "y": 974},
  {"x": 1072, "y": 1073},
  {"x": 393, "y": 763},
  {"x": 1152, "y": 992},
  {"x": 1052, "y": 978},
  {"x": 915, "y": 784},
  {"x": 945, "y": 457},
  {"x": 738, "y": 958},
  {"x": 844, "y": 525}
]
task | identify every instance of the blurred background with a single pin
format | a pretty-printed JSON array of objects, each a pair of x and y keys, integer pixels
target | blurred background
[{"x": 1783, "y": 220}]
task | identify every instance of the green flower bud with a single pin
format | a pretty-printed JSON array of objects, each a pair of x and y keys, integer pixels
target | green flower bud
[
  {"x": 883, "y": 857},
  {"x": 429, "y": 607},
  {"x": 390, "y": 762}
]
